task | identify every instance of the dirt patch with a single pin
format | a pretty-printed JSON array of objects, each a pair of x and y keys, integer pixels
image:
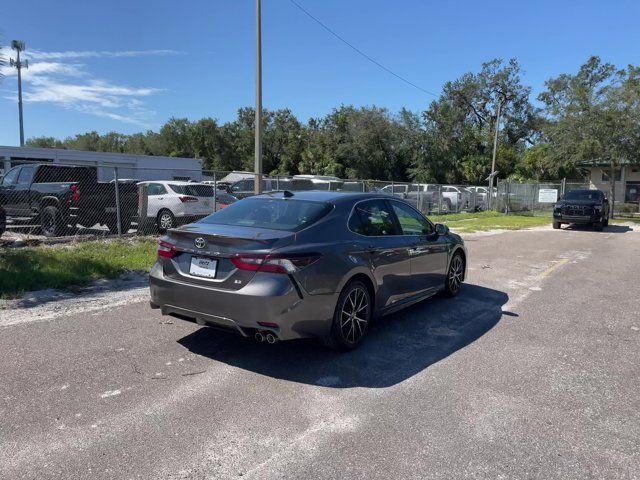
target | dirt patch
[{"x": 44, "y": 305}]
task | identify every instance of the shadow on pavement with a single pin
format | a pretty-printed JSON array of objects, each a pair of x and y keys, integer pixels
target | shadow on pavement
[
  {"x": 396, "y": 348},
  {"x": 608, "y": 229}
]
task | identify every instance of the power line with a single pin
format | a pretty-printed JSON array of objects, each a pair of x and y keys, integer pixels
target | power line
[{"x": 360, "y": 52}]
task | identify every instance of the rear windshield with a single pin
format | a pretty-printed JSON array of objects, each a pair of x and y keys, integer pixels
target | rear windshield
[
  {"x": 195, "y": 190},
  {"x": 582, "y": 195},
  {"x": 274, "y": 213},
  {"x": 225, "y": 198}
]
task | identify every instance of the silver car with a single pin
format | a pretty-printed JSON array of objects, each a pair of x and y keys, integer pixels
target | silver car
[{"x": 289, "y": 265}]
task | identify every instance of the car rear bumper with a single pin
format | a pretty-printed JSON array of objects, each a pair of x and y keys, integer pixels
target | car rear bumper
[{"x": 266, "y": 298}]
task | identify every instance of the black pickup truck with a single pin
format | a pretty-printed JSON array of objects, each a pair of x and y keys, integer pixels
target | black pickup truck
[
  {"x": 582, "y": 207},
  {"x": 58, "y": 196}
]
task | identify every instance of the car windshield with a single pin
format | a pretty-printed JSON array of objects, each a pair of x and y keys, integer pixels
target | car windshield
[
  {"x": 582, "y": 195},
  {"x": 195, "y": 190},
  {"x": 273, "y": 213}
]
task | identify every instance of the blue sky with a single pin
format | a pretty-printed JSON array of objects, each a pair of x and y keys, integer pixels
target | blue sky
[{"x": 130, "y": 65}]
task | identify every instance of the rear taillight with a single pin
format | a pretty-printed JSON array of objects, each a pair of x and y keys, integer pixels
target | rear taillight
[
  {"x": 222, "y": 205},
  {"x": 166, "y": 249},
  {"x": 75, "y": 193},
  {"x": 188, "y": 199},
  {"x": 275, "y": 263}
]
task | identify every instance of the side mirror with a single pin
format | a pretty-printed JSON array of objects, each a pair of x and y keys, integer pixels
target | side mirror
[{"x": 441, "y": 229}]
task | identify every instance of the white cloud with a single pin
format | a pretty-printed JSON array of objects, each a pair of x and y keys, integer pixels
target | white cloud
[
  {"x": 97, "y": 54},
  {"x": 71, "y": 85}
]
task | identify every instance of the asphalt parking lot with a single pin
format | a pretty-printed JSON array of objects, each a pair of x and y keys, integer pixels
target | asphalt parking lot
[{"x": 532, "y": 372}]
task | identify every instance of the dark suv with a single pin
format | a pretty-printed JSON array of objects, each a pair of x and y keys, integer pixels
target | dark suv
[{"x": 582, "y": 207}]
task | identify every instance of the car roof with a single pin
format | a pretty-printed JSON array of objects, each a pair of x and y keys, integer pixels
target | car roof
[
  {"x": 172, "y": 182},
  {"x": 326, "y": 195}
]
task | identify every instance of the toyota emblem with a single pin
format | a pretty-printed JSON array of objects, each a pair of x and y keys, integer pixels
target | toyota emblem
[{"x": 200, "y": 242}]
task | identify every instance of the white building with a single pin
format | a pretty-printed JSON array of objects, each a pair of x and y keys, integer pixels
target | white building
[
  {"x": 626, "y": 179},
  {"x": 139, "y": 167}
]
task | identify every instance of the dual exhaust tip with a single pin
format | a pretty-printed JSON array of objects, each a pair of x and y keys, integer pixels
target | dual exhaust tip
[{"x": 265, "y": 336}]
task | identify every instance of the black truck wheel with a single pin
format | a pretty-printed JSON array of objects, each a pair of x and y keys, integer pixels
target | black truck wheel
[
  {"x": 556, "y": 225},
  {"x": 112, "y": 225},
  {"x": 51, "y": 222}
]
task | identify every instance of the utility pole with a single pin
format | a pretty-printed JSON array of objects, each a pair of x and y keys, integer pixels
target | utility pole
[
  {"x": 19, "y": 47},
  {"x": 258, "y": 120},
  {"x": 495, "y": 153}
]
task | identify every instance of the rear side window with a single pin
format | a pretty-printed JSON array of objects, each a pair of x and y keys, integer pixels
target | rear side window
[
  {"x": 194, "y": 190},
  {"x": 156, "y": 189},
  {"x": 58, "y": 174},
  {"x": 274, "y": 213},
  {"x": 372, "y": 218}
]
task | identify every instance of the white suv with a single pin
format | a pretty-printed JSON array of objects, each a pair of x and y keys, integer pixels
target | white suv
[{"x": 171, "y": 202}]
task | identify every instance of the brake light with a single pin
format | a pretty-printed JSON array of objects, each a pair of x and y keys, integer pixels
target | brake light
[
  {"x": 166, "y": 249},
  {"x": 188, "y": 199},
  {"x": 275, "y": 263},
  {"x": 75, "y": 193},
  {"x": 222, "y": 205}
]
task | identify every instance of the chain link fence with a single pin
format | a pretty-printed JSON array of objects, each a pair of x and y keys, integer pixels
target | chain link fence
[
  {"x": 52, "y": 200},
  {"x": 538, "y": 198}
]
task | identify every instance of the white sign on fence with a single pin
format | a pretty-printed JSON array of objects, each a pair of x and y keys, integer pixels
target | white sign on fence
[{"x": 547, "y": 195}]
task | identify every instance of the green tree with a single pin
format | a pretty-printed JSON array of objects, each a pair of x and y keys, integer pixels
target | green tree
[
  {"x": 594, "y": 114},
  {"x": 459, "y": 125}
]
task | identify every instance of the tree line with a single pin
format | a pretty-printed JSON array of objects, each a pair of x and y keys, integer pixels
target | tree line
[{"x": 593, "y": 114}]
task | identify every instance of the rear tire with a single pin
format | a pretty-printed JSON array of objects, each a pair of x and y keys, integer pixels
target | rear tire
[
  {"x": 606, "y": 222},
  {"x": 351, "y": 318},
  {"x": 112, "y": 225},
  {"x": 51, "y": 222},
  {"x": 166, "y": 220},
  {"x": 556, "y": 225},
  {"x": 597, "y": 226},
  {"x": 455, "y": 276}
]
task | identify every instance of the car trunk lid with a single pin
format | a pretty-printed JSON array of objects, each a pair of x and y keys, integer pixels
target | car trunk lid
[{"x": 213, "y": 247}]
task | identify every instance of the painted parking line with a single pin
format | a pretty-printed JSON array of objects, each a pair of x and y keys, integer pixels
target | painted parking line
[{"x": 553, "y": 267}]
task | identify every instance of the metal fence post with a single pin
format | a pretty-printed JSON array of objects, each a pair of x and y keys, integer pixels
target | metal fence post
[
  {"x": 439, "y": 199},
  {"x": 115, "y": 177},
  {"x": 215, "y": 192}
]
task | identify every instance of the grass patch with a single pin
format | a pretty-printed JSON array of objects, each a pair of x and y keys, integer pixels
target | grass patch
[
  {"x": 36, "y": 268},
  {"x": 484, "y": 221}
]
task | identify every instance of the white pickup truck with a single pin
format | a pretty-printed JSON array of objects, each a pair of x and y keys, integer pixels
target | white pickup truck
[{"x": 425, "y": 196}]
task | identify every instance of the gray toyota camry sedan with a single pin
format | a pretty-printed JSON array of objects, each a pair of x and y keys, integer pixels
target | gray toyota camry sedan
[{"x": 305, "y": 264}]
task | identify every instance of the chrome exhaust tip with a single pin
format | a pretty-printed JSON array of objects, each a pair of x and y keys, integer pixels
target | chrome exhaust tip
[
  {"x": 259, "y": 337},
  {"x": 271, "y": 338}
]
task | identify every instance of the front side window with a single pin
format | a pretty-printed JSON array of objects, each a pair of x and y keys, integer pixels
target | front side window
[
  {"x": 11, "y": 177},
  {"x": 26, "y": 175},
  {"x": 372, "y": 218},
  {"x": 411, "y": 222}
]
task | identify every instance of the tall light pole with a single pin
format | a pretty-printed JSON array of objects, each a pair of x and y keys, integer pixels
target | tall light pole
[
  {"x": 258, "y": 120},
  {"x": 19, "y": 47},
  {"x": 495, "y": 153}
]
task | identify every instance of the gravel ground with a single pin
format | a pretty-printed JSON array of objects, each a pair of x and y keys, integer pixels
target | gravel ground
[{"x": 532, "y": 372}]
